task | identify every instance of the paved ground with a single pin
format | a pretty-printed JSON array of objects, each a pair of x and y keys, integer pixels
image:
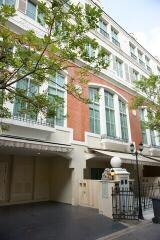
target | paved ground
[
  {"x": 53, "y": 221},
  {"x": 145, "y": 230}
]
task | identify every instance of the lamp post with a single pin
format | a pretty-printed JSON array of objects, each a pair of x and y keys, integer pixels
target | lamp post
[{"x": 135, "y": 151}]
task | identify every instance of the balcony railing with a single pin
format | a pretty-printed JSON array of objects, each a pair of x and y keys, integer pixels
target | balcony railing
[
  {"x": 148, "y": 68},
  {"x": 115, "y": 42},
  {"x": 141, "y": 62},
  {"x": 133, "y": 56},
  {"x": 28, "y": 120},
  {"x": 105, "y": 136},
  {"x": 104, "y": 33}
]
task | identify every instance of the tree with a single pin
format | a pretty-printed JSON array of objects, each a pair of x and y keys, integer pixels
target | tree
[
  {"x": 26, "y": 56},
  {"x": 149, "y": 97}
]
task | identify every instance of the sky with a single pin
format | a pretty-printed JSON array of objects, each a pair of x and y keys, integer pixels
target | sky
[{"x": 141, "y": 17}]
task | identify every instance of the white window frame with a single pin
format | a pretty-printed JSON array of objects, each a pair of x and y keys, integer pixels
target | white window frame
[
  {"x": 103, "y": 130},
  {"x": 65, "y": 75},
  {"x": 119, "y": 68}
]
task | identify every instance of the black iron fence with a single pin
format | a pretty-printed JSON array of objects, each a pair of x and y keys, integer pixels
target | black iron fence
[
  {"x": 124, "y": 204},
  {"x": 148, "y": 191},
  {"x": 125, "y": 200}
]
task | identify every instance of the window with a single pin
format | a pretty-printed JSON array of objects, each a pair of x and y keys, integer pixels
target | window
[
  {"x": 55, "y": 88},
  {"x": 140, "y": 56},
  {"x": 103, "y": 28},
  {"x": 115, "y": 37},
  {"x": 29, "y": 89},
  {"x": 96, "y": 173},
  {"x": 148, "y": 64},
  {"x": 153, "y": 138},
  {"x": 7, "y": 2},
  {"x": 110, "y": 114},
  {"x": 111, "y": 108},
  {"x": 143, "y": 130},
  {"x": 94, "y": 114},
  {"x": 123, "y": 120},
  {"x": 132, "y": 51},
  {"x": 31, "y": 10},
  {"x": 90, "y": 51},
  {"x": 135, "y": 75},
  {"x": 119, "y": 68},
  {"x": 158, "y": 71},
  {"x": 40, "y": 18},
  {"x": 107, "y": 55}
]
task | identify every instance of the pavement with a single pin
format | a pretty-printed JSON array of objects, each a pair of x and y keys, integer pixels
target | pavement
[
  {"x": 137, "y": 230},
  {"x": 54, "y": 221},
  {"x": 145, "y": 230}
]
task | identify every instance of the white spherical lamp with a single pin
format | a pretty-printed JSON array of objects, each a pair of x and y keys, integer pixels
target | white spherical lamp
[{"x": 116, "y": 162}]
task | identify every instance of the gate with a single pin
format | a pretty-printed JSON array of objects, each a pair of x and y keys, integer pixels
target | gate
[{"x": 125, "y": 203}]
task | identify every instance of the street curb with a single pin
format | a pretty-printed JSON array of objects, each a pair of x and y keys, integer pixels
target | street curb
[{"x": 125, "y": 231}]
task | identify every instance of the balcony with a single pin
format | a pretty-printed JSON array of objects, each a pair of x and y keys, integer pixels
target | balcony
[
  {"x": 141, "y": 62},
  {"x": 133, "y": 56},
  {"x": 152, "y": 150},
  {"x": 149, "y": 69},
  {"x": 115, "y": 42},
  {"x": 20, "y": 121},
  {"x": 114, "y": 143},
  {"x": 104, "y": 33}
]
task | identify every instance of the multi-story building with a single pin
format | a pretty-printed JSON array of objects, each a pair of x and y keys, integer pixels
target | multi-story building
[{"x": 44, "y": 161}]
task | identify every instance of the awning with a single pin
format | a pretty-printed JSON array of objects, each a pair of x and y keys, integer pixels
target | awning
[
  {"x": 129, "y": 158},
  {"x": 32, "y": 144}
]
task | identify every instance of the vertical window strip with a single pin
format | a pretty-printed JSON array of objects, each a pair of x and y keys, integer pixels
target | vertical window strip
[
  {"x": 94, "y": 113},
  {"x": 143, "y": 130},
  {"x": 114, "y": 34},
  {"x": 31, "y": 10},
  {"x": 153, "y": 138},
  {"x": 20, "y": 106},
  {"x": 55, "y": 88},
  {"x": 110, "y": 115},
  {"x": 119, "y": 68},
  {"x": 123, "y": 120}
]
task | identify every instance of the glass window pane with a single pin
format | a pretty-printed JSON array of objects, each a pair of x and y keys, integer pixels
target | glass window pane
[
  {"x": 94, "y": 111},
  {"x": 31, "y": 9},
  {"x": 123, "y": 120},
  {"x": 54, "y": 89},
  {"x": 8, "y": 2}
]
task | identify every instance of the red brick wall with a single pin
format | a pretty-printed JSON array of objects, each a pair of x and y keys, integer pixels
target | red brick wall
[{"x": 78, "y": 112}]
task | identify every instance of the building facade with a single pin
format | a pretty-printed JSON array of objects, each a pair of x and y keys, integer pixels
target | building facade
[{"x": 50, "y": 160}]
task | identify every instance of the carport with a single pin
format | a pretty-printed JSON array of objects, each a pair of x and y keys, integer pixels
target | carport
[{"x": 32, "y": 170}]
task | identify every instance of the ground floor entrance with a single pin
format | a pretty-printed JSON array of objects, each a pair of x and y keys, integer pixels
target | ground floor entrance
[
  {"x": 32, "y": 179},
  {"x": 53, "y": 221}
]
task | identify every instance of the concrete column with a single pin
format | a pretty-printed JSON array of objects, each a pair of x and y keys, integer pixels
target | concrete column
[{"x": 105, "y": 197}]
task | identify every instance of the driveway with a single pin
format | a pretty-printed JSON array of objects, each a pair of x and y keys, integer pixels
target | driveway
[{"x": 53, "y": 221}]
